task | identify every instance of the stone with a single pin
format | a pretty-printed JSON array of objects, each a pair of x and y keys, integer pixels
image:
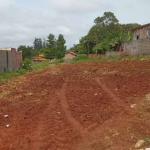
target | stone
[
  {"x": 5, "y": 116},
  {"x": 148, "y": 97},
  {"x": 139, "y": 143}
]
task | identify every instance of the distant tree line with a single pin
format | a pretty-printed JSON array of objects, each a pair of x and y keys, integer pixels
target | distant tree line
[
  {"x": 107, "y": 34},
  {"x": 51, "y": 48}
]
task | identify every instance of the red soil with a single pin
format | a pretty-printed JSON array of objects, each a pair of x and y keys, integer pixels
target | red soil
[{"x": 82, "y": 106}]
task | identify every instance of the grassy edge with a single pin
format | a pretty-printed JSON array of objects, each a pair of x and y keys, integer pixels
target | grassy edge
[
  {"x": 35, "y": 67},
  {"x": 80, "y": 58}
]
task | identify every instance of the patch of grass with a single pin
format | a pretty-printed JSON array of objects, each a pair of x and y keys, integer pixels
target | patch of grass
[
  {"x": 33, "y": 67},
  {"x": 84, "y": 58},
  {"x": 59, "y": 61},
  {"x": 40, "y": 65},
  {"x": 80, "y": 58},
  {"x": 8, "y": 75}
]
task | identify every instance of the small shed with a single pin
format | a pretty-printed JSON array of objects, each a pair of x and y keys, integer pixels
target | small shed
[{"x": 69, "y": 55}]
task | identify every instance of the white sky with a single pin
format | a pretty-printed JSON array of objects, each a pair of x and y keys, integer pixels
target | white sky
[{"x": 23, "y": 20}]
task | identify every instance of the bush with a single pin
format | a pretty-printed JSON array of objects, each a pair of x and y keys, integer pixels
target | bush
[
  {"x": 27, "y": 64},
  {"x": 81, "y": 57},
  {"x": 59, "y": 61}
]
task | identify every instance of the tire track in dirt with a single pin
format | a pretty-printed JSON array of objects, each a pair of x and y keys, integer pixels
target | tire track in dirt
[
  {"x": 88, "y": 137},
  {"x": 40, "y": 138},
  {"x": 75, "y": 123},
  {"x": 119, "y": 102},
  {"x": 51, "y": 132}
]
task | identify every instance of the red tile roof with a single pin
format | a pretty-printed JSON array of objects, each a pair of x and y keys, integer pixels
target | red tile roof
[{"x": 39, "y": 58}]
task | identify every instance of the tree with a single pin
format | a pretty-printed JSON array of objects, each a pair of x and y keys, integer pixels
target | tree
[
  {"x": 26, "y": 51},
  {"x": 107, "y": 19},
  {"x": 61, "y": 48},
  {"x": 50, "y": 49},
  {"x": 37, "y": 44},
  {"x": 44, "y": 43}
]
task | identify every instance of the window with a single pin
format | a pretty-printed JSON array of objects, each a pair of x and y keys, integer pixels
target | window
[
  {"x": 137, "y": 37},
  {"x": 148, "y": 32}
]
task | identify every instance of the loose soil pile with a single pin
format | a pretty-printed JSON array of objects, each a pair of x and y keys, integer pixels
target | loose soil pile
[{"x": 82, "y": 106}]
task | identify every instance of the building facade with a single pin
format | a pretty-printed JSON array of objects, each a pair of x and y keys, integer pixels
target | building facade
[
  {"x": 69, "y": 56},
  {"x": 10, "y": 59},
  {"x": 140, "y": 43}
]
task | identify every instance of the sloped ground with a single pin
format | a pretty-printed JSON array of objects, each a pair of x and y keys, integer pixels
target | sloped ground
[{"x": 82, "y": 106}]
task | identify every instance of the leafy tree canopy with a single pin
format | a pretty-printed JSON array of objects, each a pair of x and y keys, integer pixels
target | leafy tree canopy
[{"x": 105, "y": 35}]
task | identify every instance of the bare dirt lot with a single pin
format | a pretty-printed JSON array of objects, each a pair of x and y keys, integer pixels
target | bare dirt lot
[{"x": 82, "y": 106}]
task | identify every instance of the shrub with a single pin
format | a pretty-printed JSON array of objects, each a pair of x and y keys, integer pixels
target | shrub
[
  {"x": 81, "y": 57},
  {"x": 27, "y": 64},
  {"x": 40, "y": 65},
  {"x": 59, "y": 61}
]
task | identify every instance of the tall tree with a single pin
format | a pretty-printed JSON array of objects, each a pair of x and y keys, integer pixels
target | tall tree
[
  {"x": 61, "y": 48},
  {"x": 107, "y": 19},
  {"x": 50, "y": 49},
  {"x": 37, "y": 44}
]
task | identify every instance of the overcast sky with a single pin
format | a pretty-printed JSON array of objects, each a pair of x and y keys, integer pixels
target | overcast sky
[{"x": 23, "y": 20}]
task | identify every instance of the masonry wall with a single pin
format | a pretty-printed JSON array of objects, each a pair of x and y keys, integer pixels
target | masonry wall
[
  {"x": 141, "y": 46},
  {"x": 3, "y": 60},
  {"x": 10, "y": 60},
  {"x": 115, "y": 53},
  {"x": 142, "y": 32},
  {"x": 17, "y": 59}
]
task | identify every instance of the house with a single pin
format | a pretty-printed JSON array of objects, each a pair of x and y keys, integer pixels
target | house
[
  {"x": 10, "y": 59},
  {"x": 69, "y": 55},
  {"x": 38, "y": 58},
  {"x": 140, "y": 43}
]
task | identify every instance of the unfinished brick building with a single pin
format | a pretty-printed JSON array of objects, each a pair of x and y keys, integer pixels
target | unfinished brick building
[
  {"x": 140, "y": 43},
  {"x": 10, "y": 59}
]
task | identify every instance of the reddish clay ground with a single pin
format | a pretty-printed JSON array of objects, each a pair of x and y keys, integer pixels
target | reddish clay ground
[{"x": 82, "y": 106}]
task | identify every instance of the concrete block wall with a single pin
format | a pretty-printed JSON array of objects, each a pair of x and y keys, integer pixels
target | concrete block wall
[
  {"x": 10, "y": 59},
  {"x": 115, "y": 53},
  {"x": 3, "y": 61},
  {"x": 141, "y": 46},
  {"x": 17, "y": 59},
  {"x": 142, "y": 32}
]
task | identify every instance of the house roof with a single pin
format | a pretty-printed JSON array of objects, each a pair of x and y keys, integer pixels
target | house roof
[
  {"x": 36, "y": 59},
  {"x": 145, "y": 25},
  {"x": 72, "y": 53},
  {"x": 39, "y": 57}
]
